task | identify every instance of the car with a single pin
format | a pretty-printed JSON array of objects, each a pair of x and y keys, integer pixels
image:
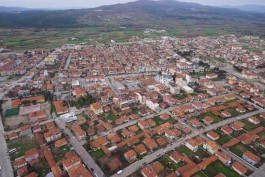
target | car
[
  {"x": 119, "y": 172},
  {"x": 158, "y": 155},
  {"x": 144, "y": 163}
]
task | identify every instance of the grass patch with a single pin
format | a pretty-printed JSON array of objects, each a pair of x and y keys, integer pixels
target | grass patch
[
  {"x": 218, "y": 167},
  {"x": 222, "y": 139},
  {"x": 135, "y": 110},
  {"x": 180, "y": 96},
  {"x": 233, "y": 112},
  {"x": 239, "y": 149},
  {"x": 12, "y": 112},
  {"x": 201, "y": 154},
  {"x": 60, "y": 152},
  {"x": 157, "y": 120},
  {"x": 249, "y": 126},
  {"x": 97, "y": 154},
  {"x": 22, "y": 144},
  {"x": 112, "y": 117},
  {"x": 167, "y": 162}
]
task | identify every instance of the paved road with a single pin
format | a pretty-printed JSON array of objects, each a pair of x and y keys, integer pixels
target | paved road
[
  {"x": 5, "y": 163},
  {"x": 260, "y": 172},
  {"x": 68, "y": 61},
  {"x": 149, "y": 158},
  {"x": 234, "y": 156},
  {"x": 80, "y": 150}
]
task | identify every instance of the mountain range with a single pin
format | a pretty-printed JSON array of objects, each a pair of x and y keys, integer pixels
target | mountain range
[{"x": 138, "y": 15}]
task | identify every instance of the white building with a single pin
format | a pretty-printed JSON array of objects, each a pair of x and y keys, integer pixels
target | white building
[{"x": 152, "y": 104}]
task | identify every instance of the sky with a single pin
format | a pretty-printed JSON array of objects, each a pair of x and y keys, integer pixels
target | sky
[{"x": 64, "y": 4}]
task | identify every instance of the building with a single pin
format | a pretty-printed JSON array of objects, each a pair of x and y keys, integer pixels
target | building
[
  {"x": 211, "y": 147},
  {"x": 31, "y": 154},
  {"x": 96, "y": 108},
  {"x": 239, "y": 168},
  {"x": 130, "y": 156},
  {"x": 251, "y": 158},
  {"x": 152, "y": 104}
]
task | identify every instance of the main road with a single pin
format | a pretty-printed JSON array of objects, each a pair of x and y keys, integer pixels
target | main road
[
  {"x": 80, "y": 150},
  {"x": 151, "y": 157},
  {"x": 5, "y": 163}
]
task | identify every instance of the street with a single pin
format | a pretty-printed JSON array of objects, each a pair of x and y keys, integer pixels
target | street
[
  {"x": 5, "y": 163},
  {"x": 80, "y": 150},
  {"x": 151, "y": 157}
]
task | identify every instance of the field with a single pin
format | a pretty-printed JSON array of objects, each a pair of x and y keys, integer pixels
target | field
[
  {"x": 218, "y": 167},
  {"x": 239, "y": 149},
  {"x": 12, "y": 112},
  {"x": 22, "y": 144}
]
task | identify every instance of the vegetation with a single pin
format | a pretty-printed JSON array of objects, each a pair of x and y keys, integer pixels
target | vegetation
[
  {"x": 97, "y": 154},
  {"x": 22, "y": 144},
  {"x": 218, "y": 167},
  {"x": 157, "y": 120},
  {"x": 12, "y": 112}
]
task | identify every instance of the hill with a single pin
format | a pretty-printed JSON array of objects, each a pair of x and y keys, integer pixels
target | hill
[
  {"x": 141, "y": 14},
  {"x": 249, "y": 8}
]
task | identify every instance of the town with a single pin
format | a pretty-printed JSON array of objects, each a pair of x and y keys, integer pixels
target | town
[{"x": 153, "y": 108}]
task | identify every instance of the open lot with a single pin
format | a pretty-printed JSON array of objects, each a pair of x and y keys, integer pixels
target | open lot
[{"x": 22, "y": 145}]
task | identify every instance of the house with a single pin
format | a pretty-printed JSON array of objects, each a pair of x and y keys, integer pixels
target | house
[
  {"x": 20, "y": 162},
  {"x": 37, "y": 116},
  {"x": 172, "y": 134},
  {"x": 25, "y": 130},
  {"x": 164, "y": 116},
  {"x": 211, "y": 76},
  {"x": 130, "y": 156},
  {"x": 152, "y": 104},
  {"x": 60, "y": 107},
  {"x": 31, "y": 154},
  {"x": 70, "y": 160},
  {"x": 114, "y": 164},
  {"x": 96, "y": 108},
  {"x": 207, "y": 162},
  {"x": 61, "y": 142},
  {"x": 229, "y": 97},
  {"x": 53, "y": 134},
  {"x": 226, "y": 129},
  {"x": 251, "y": 158},
  {"x": 195, "y": 123},
  {"x": 224, "y": 157},
  {"x": 79, "y": 133},
  {"x": 148, "y": 171},
  {"x": 239, "y": 168},
  {"x": 176, "y": 157},
  {"x": 208, "y": 120},
  {"x": 254, "y": 120},
  {"x": 23, "y": 171},
  {"x": 150, "y": 143},
  {"x": 158, "y": 167},
  {"x": 212, "y": 135},
  {"x": 226, "y": 114},
  {"x": 211, "y": 147},
  {"x": 192, "y": 145},
  {"x": 12, "y": 136},
  {"x": 79, "y": 92},
  {"x": 140, "y": 149}
]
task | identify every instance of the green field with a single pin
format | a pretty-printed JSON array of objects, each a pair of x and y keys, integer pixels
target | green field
[
  {"x": 22, "y": 144},
  {"x": 96, "y": 154},
  {"x": 167, "y": 162},
  {"x": 12, "y": 112},
  {"x": 157, "y": 120},
  {"x": 239, "y": 149},
  {"x": 218, "y": 167}
]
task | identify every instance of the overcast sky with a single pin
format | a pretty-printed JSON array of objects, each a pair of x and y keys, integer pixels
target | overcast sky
[{"x": 95, "y": 3}]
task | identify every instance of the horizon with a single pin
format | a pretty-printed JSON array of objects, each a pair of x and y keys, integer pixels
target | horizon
[{"x": 51, "y": 4}]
